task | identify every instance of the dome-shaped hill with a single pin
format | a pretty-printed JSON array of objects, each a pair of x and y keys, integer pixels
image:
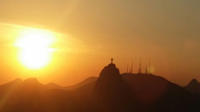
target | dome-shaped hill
[
  {"x": 151, "y": 89},
  {"x": 147, "y": 88}
]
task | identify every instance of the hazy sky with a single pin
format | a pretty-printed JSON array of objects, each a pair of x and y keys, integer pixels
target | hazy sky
[{"x": 164, "y": 31}]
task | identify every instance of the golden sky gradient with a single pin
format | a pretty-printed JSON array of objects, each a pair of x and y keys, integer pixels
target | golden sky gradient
[{"x": 89, "y": 32}]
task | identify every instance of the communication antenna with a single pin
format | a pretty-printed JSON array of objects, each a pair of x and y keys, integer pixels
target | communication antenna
[
  {"x": 131, "y": 70},
  {"x": 140, "y": 67}
]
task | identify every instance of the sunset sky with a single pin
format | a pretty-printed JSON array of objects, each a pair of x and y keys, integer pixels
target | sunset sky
[{"x": 89, "y": 32}]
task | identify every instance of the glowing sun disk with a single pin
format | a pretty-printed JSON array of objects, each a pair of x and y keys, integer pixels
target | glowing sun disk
[{"x": 35, "y": 47}]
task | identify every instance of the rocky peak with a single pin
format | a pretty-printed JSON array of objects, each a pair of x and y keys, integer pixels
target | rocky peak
[{"x": 110, "y": 70}]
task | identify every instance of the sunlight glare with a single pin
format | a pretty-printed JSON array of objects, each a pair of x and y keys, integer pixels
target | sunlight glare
[{"x": 35, "y": 47}]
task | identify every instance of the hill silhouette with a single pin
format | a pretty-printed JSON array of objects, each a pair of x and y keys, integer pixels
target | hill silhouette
[
  {"x": 110, "y": 92},
  {"x": 87, "y": 82},
  {"x": 113, "y": 93},
  {"x": 194, "y": 87}
]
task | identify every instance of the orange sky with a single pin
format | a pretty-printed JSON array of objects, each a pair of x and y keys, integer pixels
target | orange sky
[{"x": 93, "y": 31}]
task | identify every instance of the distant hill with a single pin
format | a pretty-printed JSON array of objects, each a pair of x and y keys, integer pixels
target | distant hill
[
  {"x": 87, "y": 82},
  {"x": 194, "y": 87},
  {"x": 110, "y": 92},
  {"x": 54, "y": 86},
  {"x": 157, "y": 93}
]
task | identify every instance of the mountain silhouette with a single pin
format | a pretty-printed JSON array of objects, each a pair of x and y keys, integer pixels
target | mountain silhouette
[
  {"x": 113, "y": 93},
  {"x": 53, "y": 86},
  {"x": 110, "y": 92},
  {"x": 158, "y": 94},
  {"x": 87, "y": 82},
  {"x": 194, "y": 87}
]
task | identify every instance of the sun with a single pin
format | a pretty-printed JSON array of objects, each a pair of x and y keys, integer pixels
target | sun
[{"x": 35, "y": 47}]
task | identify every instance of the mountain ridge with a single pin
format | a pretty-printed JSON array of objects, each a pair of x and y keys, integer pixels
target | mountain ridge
[{"x": 110, "y": 92}]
